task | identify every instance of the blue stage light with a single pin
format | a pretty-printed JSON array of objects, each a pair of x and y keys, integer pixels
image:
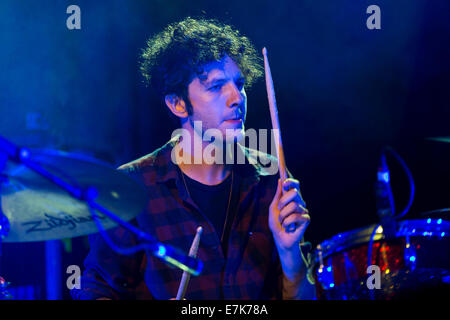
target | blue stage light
[{"x": 161, "y": 251}]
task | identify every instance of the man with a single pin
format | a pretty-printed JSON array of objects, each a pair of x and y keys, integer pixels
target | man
[{"x": 201, "y": 68}]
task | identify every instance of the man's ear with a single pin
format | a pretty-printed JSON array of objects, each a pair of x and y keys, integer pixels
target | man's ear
[{"x": 176, "y": 105}]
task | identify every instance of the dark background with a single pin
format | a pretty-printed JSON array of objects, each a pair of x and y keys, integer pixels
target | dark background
[{"x": 343, "y": 93}]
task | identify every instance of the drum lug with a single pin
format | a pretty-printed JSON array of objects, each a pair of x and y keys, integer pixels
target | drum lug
[
  {"x": 324, "y": 273},
  {"x": 4, "y": 294},
  {"x": 410, "y": 255}
]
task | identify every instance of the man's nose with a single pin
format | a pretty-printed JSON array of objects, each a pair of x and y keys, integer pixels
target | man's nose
[{"x": 236, "y": 98}]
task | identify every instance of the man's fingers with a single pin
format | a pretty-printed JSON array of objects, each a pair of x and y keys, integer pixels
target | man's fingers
[
  {"x": 291, "y": 183},
  {"x": 290, "y": 208},
  {"x": 288, "y": 197},
  {"x": 287, "y": 210},
  {"x": 296, "y": 218}
]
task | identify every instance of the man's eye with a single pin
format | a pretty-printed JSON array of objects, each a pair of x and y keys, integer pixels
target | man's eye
[{"x": 216, "y": 87}]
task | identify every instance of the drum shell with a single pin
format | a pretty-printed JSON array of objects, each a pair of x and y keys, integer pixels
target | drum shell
[{"x": 408, "y": 261}]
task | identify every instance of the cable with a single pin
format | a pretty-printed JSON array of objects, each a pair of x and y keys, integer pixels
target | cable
[
  {"x": 121, "y": 250},
  {"x": 410, "y": 178},
  {"x": 167, "y": 253},
  {"x": 307, "y": 260}
]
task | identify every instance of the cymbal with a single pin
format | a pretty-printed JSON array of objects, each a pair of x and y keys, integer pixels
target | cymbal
[
  {"x": 443, "y": 214},
  {"x": 39, "y": 210},
  {"x": 440, "y": 139}
]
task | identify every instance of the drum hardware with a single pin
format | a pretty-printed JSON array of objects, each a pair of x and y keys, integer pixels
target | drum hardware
[
  {"x": 4, "y": 229},
  {"x": 324, "y": 274},
  {"x": 41, "y": 201},
  {"x": 4, "y": 294},
  {"x": 319, "y": 251},
  {"x": 408, "y": 253},
  {"x": 385, "y": 204},
  {"x": 412, "y": 259},
  {"x": 378, "y": 229}
]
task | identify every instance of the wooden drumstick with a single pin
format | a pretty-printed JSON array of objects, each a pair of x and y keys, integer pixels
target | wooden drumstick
[
  {"x": 186, "y": 275},
  {"x": 276, "y": 127}
]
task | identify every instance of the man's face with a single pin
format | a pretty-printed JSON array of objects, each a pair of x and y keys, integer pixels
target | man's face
[{"x": 218, "y": 98}]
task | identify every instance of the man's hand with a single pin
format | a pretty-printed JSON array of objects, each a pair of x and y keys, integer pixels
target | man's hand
[{"x": 283, "y": 211}]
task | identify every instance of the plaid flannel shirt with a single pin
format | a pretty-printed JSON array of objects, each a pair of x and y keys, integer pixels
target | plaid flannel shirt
[{"x": 250, "y": 269}]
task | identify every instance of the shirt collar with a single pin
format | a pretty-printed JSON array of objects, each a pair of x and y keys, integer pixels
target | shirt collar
[{"x": 252, "y": 169}]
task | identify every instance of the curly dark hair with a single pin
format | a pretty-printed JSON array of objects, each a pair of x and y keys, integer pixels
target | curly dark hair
[{"x": 175, "y": 56}]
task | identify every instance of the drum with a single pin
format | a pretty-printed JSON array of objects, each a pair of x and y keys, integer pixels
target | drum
[{"x": 413, "y": 262}]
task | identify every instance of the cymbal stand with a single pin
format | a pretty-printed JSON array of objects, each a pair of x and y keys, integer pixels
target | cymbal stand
[
  {"x": 4, "y": 229},
  {"x": 88, "y": 195}
]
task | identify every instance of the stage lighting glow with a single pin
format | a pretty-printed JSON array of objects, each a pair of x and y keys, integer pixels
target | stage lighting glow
[{"x": 161, "y": 251}]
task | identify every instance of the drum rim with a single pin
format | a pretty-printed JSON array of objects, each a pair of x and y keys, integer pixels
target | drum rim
[{"x": 433, "y": 228}]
